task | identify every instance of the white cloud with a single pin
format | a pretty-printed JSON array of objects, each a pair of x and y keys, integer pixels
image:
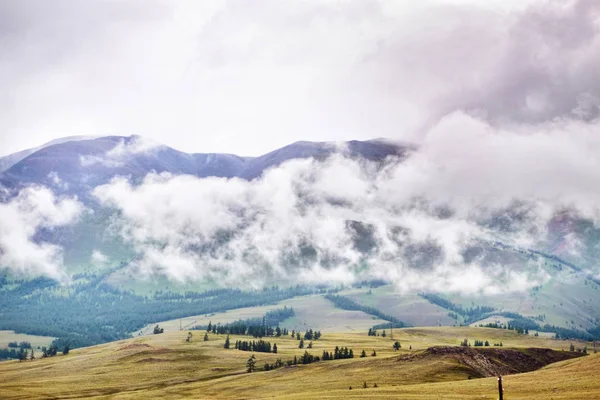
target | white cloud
[
  {"x": 244, "y": 78},
  {"x": 98, "y": 258},
  {"x": 295, "y": 222},
  {"x": 21, "y": 219},
  {"x": 117, "y": 156}
]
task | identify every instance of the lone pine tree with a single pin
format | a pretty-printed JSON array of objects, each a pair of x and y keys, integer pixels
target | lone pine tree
[{"x": 251, "y": 364}]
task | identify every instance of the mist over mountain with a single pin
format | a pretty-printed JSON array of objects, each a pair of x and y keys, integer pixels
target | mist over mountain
[
  {"x": 308, "y": 212},
  {"x": 190, "y": 164}
]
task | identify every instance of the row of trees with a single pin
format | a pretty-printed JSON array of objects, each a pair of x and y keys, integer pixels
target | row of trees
[
  {"x": 256, "y": 327},
  {"x": 473, "y": 313},
  {"x": 261, "y": 346},
  {"x": 479, "y": 343},
  {"x": 29, "y": 354},
  {"x": 19, "y": 345},
  {"x": 345, "y": 303},
  {"x": 305, "y": 358},
  {"x": 373, "y": 332},
  {"x": 579, "y": 350},
  {"x": 338, "y": 354}
]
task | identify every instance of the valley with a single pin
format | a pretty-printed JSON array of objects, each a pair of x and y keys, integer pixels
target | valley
[{"x": 319, "y": 199}]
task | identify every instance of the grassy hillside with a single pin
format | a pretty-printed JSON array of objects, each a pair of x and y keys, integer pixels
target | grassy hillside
[
  {"x": 310, "y": 312},
  {"x": 167, "y": 366}
]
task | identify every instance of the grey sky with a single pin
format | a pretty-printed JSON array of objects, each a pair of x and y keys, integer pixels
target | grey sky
[{"x": 248, "y": 77}]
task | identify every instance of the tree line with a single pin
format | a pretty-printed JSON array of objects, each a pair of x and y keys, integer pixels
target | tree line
[
  {"x": 472, "y": 313},
  {"x": 256, "y": 327},
  {"x": 93, "y": 312},
  {"x": 261, "y": 346},
  {"x": 346, "y": 303}
]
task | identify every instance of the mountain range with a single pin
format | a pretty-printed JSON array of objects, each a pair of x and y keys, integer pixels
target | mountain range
[
  {"x": 83, "y": 163},
  {"x": 74, "y": 167}
]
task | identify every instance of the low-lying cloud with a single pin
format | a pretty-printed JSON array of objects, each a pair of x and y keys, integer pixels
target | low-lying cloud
[
  {"x": 117, "y": 156},
  {"x": 411, "y": 221},
  {"x": 22, "y": 217}
]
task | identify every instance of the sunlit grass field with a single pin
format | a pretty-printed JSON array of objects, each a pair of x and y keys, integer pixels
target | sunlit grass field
[{"x": 167, "y": 366}]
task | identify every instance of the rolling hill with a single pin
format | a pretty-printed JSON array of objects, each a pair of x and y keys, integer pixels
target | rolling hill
[{"x": 167, "y": 365}]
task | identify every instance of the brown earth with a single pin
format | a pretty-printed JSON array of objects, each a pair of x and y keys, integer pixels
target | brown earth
[{"x": 487, "y": 362}]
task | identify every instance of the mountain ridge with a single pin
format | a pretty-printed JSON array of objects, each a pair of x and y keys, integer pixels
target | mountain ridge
[{"x": 85, "y": 163}]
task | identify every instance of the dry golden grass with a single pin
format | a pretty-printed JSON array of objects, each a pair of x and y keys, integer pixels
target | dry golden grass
[{"x": 166, "y": 366}]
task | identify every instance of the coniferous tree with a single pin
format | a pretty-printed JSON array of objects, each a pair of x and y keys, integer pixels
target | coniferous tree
[
  {"x": 206, "y": 336},
  {"x": 226, "y": 342},
  {"x": 309, "y": 345},
  {"x": 32, "y": 356},
  {"x": 374, "y": 353},
  {"x": 363, "y": 354},
  {"x": 301, "y": 345},
  {"x": 275, "y": 348},
  {"x": 251, "y": 364},
  {"x": 158, "y": 330},
  {"x": 209, "y": 328},
  {"x": 66, "y": 350},
  {"x": 397, "y": 345}
]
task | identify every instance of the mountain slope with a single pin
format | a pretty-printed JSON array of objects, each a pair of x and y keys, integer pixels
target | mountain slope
[{"x": 9, "y": 160}]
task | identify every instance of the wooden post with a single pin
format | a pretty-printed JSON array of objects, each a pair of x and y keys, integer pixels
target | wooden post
[{"x": 500, "y": 394}]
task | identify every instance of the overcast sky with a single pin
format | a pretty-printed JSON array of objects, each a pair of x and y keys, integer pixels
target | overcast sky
[{"x": 247, "y": 77}]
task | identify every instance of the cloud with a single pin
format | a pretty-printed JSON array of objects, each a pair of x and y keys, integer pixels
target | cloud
[
  {"x": 229, "y": 76},
  {"x": 34, "y": 209},
  {"x": 117, "y": 156},
  {"x": 424, "y": 223},
  {"x": 98, "y": 258},
  {"x": 531, "y": 65},
  {"x": 503, "y": 105}
]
